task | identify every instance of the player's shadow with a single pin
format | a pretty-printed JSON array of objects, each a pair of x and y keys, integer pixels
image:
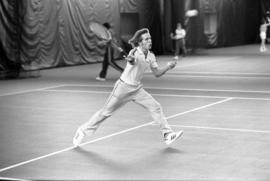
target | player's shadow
[
  {"x": 170, "y": 150},
  {"x": 133, "y": 163},
  {"x": 102, "y": 160}
]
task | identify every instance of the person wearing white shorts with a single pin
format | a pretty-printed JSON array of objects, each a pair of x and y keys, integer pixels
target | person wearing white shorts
[
  {"x": 263, "y": 30},
  {"x": 180, "y": 42},
  {"x": 129, "y": 88}
]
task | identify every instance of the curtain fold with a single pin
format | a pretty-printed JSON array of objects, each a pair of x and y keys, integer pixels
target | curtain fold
[
  {"x": 49, "y": 33},
  {"x": 219, "y": 23},
  {"x": 54, "y": 33},
  {"x": 10, "y": 36}
]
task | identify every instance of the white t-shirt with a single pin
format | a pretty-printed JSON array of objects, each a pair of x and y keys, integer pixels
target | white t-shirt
[
  {"x": 179, "y": 34},
  {"x": 134, "y": 73}
]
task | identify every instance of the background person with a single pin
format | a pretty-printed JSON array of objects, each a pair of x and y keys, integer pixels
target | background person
[
  {"x": 109, "y": 56},
  {"x": 263, "y": 31},
  {"x": 180, "y": 42}
]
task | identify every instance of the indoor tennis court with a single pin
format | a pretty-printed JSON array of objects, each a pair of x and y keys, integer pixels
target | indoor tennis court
[{"x": 220, "y": 98}]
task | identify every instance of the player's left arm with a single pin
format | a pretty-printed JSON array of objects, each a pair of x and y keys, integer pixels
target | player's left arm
[{"x": 159, "y": 71}]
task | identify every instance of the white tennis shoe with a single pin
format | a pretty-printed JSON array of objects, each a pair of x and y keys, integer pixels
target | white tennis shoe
[
  {"x": 175, "y": 57},
  {"x": 79, "y": 135},
  {"x": 263, "y": 49},
  {"x": 100, "y": 79},
  {"x": 171, "y": 137}
]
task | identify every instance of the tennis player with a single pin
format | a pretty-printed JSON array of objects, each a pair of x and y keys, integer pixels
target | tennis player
[{"x": 129, "y": 88}]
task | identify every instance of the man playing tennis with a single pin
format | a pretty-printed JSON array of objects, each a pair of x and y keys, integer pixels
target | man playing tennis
[{"x": 129, "y": 88}]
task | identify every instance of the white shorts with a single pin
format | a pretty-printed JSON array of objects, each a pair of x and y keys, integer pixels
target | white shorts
[{"x": 263, "y": 35}]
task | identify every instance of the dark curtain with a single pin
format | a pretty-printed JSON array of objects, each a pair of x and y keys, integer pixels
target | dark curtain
[
  {"x": 49, "y": 33},
  {"x": 174, "y": 12},
  {"x": 10, "y": 31},
  {"x": 149, "y": 18},
  {"x": 265, "y": 8},
  {"x": 219, "y": 23},
  {"x": 265, "y": 12},
  {"x": 56, "y": 32},
  {"x": 238, "y": 22}
]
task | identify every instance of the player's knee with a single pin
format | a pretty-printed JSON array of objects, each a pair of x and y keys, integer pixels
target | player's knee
[
  {"x": 157, "y": 108},
  {"x": 105, "y": 114}
]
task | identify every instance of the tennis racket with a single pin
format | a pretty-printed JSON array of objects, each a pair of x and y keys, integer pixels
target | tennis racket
[
  {"x": 100, "y": 31},
  {"x": 190, "y": 14},
  {"x": 103, "y": 33}
]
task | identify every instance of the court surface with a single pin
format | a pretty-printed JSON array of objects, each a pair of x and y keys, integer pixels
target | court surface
[{"x": 220, "y": 98}]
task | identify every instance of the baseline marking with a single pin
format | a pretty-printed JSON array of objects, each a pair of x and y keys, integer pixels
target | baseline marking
[
  {"x": 109, "y": 136},
  {"x": 180, "y": 89},
  {"x": 216, "y": 76},
  {"x": 222, "y": 73},
  {"x": 166, "y": 95},
  {"x": 202, "y": 107},
  {"x": 9, "y": 178},
  {"x": 224, "y": 129},
  {"x": 31, "y": 90},
  {"x": 212, "y": 61}
]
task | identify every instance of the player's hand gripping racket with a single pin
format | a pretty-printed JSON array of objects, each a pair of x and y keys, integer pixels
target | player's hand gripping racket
[{"x": 101, "y": 32}]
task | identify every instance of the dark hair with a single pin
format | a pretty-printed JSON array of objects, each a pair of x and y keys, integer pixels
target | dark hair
[
  {"x": 107, "y": 25},
  {"x": 137, "y": 37}
]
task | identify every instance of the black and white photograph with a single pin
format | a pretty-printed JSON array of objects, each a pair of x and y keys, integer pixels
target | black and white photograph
[{"x": 135, "y": 90}]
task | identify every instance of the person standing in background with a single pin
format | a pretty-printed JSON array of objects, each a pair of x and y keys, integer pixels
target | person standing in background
[
  {"x": 180, "y": 42},
  {"x": 263, "y": 31},
  {"x": 109, "y": 56}
]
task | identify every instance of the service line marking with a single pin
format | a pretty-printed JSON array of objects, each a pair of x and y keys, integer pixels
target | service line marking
[{"x": 111, "y": 135}]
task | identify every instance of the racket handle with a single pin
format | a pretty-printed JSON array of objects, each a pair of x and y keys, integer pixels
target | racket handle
[{"x": 130, "y": 59}]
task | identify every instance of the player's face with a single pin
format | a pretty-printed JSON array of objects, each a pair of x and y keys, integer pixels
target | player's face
[{"x": 146, "y": 42}]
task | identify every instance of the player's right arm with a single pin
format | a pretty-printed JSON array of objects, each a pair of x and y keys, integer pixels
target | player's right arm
[{"x": 131, "y": 56}]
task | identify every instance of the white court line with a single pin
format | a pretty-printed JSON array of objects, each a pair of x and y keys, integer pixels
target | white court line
[
  {"x": 222, "y": 73},
  {"x": 212, "y": 61},
  {"x": 224, "y": 129},
  {"x": 216, "y": 76},
  {"x": 108, "y": 136},
  {"x": 31, "y": 90},
  {"x": 180, "y": 89},
  {"x": 202, "y": 107},
  {"x": 108, "y": 92},
  {"x": 8, "y": 178},
  {"x": 166, "y": 95}
]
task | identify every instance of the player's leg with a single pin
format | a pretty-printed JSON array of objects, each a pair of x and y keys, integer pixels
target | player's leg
[
  {"x": 184, "y": 47},
  {"x": 144, "y": 99},
  {"x": 116, "y": 100},
  {"x": 105, "y": 64},
  {"x": 113, "y": 64},
  {"x": 177, "y": 48},
  {"x": 263, "y": 37}
]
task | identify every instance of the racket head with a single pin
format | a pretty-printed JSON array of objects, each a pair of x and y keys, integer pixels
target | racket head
[
  {"x": 100, "y": 30},
  {"x": 192, "y": 13}
]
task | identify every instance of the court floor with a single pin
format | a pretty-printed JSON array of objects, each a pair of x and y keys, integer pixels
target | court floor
[{"x": 220, "y": 98}]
